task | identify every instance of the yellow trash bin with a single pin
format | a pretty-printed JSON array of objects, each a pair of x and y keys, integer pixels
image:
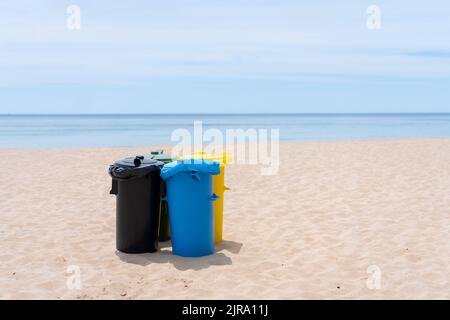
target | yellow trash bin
[{"x": 219, "y": 189}]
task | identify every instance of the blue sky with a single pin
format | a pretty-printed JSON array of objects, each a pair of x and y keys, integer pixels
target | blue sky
[{"x": 224, "y": 56}]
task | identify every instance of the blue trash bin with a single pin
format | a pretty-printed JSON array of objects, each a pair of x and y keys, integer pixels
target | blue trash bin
[{"x": 190, "y": 199}]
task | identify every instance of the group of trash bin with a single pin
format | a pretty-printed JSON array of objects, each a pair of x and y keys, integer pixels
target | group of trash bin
[{"x": 159, "y": 199}]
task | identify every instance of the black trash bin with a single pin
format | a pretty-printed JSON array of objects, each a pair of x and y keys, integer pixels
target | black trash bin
[{"x": 136, "y": 183}]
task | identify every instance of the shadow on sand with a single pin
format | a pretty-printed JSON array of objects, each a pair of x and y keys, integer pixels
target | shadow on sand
[{"x": 164, "y": 255}]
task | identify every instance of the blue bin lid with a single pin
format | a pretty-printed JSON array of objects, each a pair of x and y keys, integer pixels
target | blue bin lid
[{"x": 199, "y": 165}]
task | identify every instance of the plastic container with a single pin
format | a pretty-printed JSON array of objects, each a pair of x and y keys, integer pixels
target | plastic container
[
  {"x": 219, "y": 189},
  {"x": 137, "y": 186},
  {"x": 190, "y": 199},
  {"x": 160, "y": 156},
  {"x": 164, "y": 223}
]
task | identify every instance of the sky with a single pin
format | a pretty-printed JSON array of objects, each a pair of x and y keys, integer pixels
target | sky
[{"x": 237, "y": 56}]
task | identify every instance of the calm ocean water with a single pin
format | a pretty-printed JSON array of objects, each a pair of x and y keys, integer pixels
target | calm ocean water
[{"x": 55, "y": 131}]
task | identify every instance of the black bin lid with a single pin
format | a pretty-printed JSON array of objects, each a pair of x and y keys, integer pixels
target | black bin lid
[{"x": 134, "y": 167}]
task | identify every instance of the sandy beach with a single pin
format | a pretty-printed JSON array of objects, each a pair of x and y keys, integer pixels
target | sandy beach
[{"x": 336, "y": 212}]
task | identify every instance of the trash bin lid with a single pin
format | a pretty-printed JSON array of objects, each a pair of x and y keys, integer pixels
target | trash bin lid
[
  {"x": 133, "y": 167},
  {"x": 160, "y": 156},
  {"x": 164, "y": 158},
  {"x": 199, "y": 165}
]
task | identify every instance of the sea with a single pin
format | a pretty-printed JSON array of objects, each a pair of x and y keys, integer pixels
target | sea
[{"x": 127, "y": 130}]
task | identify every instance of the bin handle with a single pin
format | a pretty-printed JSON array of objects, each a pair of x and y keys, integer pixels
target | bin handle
[
  {"x": 156, "y": 152},
  {"x": 137, "y": 161},
  {"x": 194, "y": 175},
  {"x": 114, "y": 187},
  {"x": 214, "y": 197},
  {"x": 226, "y": 188}
]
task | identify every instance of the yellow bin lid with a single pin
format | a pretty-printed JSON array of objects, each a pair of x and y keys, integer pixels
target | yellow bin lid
[{"x": 222, "y": 158}]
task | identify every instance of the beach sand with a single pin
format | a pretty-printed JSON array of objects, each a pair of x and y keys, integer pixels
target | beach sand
[{"x": 337, "y": 217}]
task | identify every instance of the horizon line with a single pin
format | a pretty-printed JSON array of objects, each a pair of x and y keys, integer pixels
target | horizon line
[{"x": 224, "y": 114}]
